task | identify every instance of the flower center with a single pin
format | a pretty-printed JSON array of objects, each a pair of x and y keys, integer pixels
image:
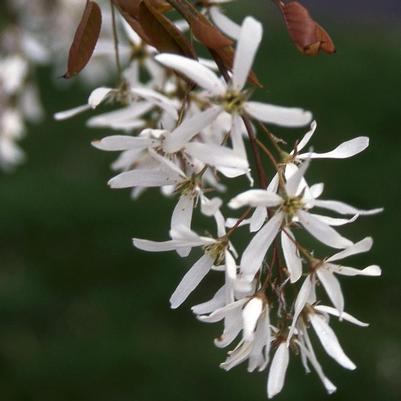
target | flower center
[
  {"x": 233, "y": 101},
  {"x": 291, "y": 205},
  {"x": 217, "y": 251}
]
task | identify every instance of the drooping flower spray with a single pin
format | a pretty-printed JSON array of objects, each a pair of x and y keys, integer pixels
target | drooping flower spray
[{"x": 189, "y": 126}]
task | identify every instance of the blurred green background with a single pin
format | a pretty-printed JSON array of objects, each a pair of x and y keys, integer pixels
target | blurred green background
[{"x": 85, "y": 317}]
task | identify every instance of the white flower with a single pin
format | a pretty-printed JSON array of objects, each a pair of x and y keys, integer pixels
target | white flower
[
  {"x": 324, "y": 270},
  {"x": 230, "y": 97}
]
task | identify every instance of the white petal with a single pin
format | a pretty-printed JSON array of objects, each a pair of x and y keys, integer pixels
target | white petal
[
  {"x": 250, "y": 316},
  {"x": 332, "y": 287},
  {"x": 64, "y": 115},
  {"x": 98, "y": 96},
  {"x": 372, "y": 271},
  {"x": 322, "y": 231},
  {"x": 225, "y": 24},
  {"x": 364, "y": 245},
  {"x": 132, "y": 112},
  {"x": 332, "y": 221},
  {"x": 329, "y": 341},
  {"x": 255, "y": 252},
  {"x": 283, "y": 116},
  {"x": 291, "y": 256},
  {"x": 343, "y": 151},
  {"x": 218, "y": 301},
  {"x": 278, "y": 370},
  {"x": 344, "y": 315},
  {"x": 191, "y": 280},
  {"x": 195, "y": 71},
  {"x": 189, "y": 128},
  {"x": 122, "y": 142},
  {"x": 163, "y": 246},
  {"x": 293, "y": 184},
  {"x": 300, "y": 302},
  {"x": 305, "y": 140},
  {"x": 258, "y": 218},
  {"x": 329, "y": 386},
  {"x": 257, "y": 358},
  {"x": 343, "y": 208},
  {"x": 316, "y": 190},
  {"x": 182, "y": 216},
  {"x": 144, "y": 178},
  {"x": 232, "y": 327},
  {"x": 221, "y": 313},
  {"x": 237, "y": 138},
  {"x": 239, "y": 355},
  {"x": 158, "y": 99},
  {"x": 247, "y": 46},
  {"x": 255, "y": 198},
  {"x": 209, "y": 207},
  {"x": 216, "y": 156}
]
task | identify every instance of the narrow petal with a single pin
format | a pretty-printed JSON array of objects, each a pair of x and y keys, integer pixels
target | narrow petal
[
  {"x": 345, "y": 316},
  {"x": 232, "y": 328},
  {"x": 334, "y": 222},
  {"x": 247, "y": 46},
  {"x": 255, "y": 252},
  {"x": 189, "y": 128},
  {"x": 257, "y": 219},
  {"x": 255, "y": 198},
  {"x": 157, "y": 99},
  {"x": 225, "y": 24},
  {"x": 343, "y": 151},
  {"x": 259, "y": 355},
  {"x": 291, "y": 255},
  {"x": 66, "y": 114},
  {"x": 362, "y": 246},
  {"x": 250, "y": 316},
  {"x": 191, "y": 280},
  {"x": 372, "y": 271},
  {"x": 132, "y": 112},
  {"x": 182, "y": 217},
  {"x": 220, "y": 314},
  {"x": 98, "y": 96},
  {"x": 144, "y": 178},
  {"x": 332, "y": 287},
  {"x": 282, "y": 116},
  {"x": 278, "y": 370},
  {"x": 330, "y": 342},
  {"x": 322, "y": 232},
  {"x": 195, "y": 71},
  {"x": 216, "y": 156},
  {"x": 307, "y": 137},
  {"x": 122, "y": 142},
  {"x": 343, "y": 208},
  {"x": 217, "y": 302},
  {"x": 292, "y": 186},
  {"x": 239, "y": 355},
  {"x": 329, "y": 386},
  {"x": 237, "y": 138},
  {"x": 302, "y": 299}
]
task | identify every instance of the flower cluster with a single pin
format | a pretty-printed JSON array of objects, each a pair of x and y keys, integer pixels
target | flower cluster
[{"x": 189, "y": 127}]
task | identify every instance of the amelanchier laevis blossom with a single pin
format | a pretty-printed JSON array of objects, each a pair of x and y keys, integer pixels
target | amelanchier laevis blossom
[{"x": 189, "y": 127}]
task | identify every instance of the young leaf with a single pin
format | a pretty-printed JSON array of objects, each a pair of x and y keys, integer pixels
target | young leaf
[
  {"x": 308, "y": 36},
  {"x": 85, "y": 39}
]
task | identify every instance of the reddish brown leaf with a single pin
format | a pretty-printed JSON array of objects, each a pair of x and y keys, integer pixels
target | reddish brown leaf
[
  {"x": 161, "y": 32},
  {"x": 146, "y": 19},
  {"x": 85, "y": 39},
  {"x": 308, "y": 36}
]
